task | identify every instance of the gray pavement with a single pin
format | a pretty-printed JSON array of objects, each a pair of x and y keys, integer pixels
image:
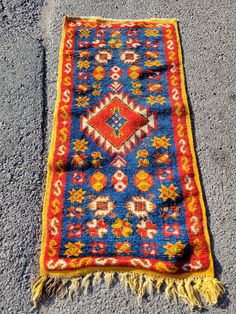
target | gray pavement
[{"x": 30, "y": 36}]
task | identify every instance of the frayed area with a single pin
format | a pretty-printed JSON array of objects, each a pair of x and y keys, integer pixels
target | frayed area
[{"x": 193, "y": 291}]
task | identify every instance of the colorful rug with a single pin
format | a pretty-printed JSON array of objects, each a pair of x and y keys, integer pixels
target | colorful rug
[{"x": 123, "y": 197}]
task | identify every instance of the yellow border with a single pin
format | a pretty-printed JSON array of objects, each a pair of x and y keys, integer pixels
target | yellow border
[
  {"x": 73, "y": 273},
  {"x": 97, "y": 18}
]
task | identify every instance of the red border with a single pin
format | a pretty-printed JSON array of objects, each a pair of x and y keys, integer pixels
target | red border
[{"x": 59, "y": 162}]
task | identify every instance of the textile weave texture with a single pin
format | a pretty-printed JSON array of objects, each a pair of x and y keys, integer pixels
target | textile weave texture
[{"x": 123, "y": 196}]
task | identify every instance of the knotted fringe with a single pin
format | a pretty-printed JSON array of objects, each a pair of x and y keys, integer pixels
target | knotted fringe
[{"x": 192, "y": 290}]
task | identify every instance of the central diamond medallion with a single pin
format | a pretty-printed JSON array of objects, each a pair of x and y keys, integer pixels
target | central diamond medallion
[{"x": 117, "y": 124}]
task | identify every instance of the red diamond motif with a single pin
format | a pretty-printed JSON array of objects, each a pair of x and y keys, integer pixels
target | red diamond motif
[
  {"x": 130, "y": 123},
  {"x": 134, "y": 122}
]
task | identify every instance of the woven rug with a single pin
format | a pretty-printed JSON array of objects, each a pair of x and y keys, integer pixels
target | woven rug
[{"x": 123, "y": 198}]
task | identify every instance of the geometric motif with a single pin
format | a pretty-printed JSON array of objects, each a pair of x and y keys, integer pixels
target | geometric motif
[
  {"x": 119, "y": 181},
  {"x": 143, "y": 180},
  {"x": 116, "y": 121},
  {"x": 125, "y": 123},
  {"x": 102, "y": 206},
  {"x": 140, "y": 207},
  {"x": 118, "y": 162},
  {"x": 98, "y": 181}
]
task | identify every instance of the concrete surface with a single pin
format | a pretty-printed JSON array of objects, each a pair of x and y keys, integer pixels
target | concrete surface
[{"x": 30, "y": 36}]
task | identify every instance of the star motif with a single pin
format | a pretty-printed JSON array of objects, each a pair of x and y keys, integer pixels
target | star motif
[{"x": 168, "y": 192}]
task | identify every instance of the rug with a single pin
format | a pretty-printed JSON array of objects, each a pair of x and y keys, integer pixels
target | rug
[{"x": 123, "y": 198}]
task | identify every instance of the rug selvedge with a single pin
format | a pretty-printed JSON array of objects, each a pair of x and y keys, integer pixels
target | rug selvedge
[{"x": 123, "y": 195}]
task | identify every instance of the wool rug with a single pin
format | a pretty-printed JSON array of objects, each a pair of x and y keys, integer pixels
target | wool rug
[{"x": 123, "y": 198}]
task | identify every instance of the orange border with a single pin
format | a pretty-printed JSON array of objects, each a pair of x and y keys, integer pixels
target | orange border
[{"x": 71, "y": 273}]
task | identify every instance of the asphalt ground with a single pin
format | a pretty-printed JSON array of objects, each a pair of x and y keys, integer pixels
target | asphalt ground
[{"x": 30, "y": 36}]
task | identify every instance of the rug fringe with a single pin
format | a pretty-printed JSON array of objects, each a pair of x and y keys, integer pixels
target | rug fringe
[{"x": 192, "y": 290}]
